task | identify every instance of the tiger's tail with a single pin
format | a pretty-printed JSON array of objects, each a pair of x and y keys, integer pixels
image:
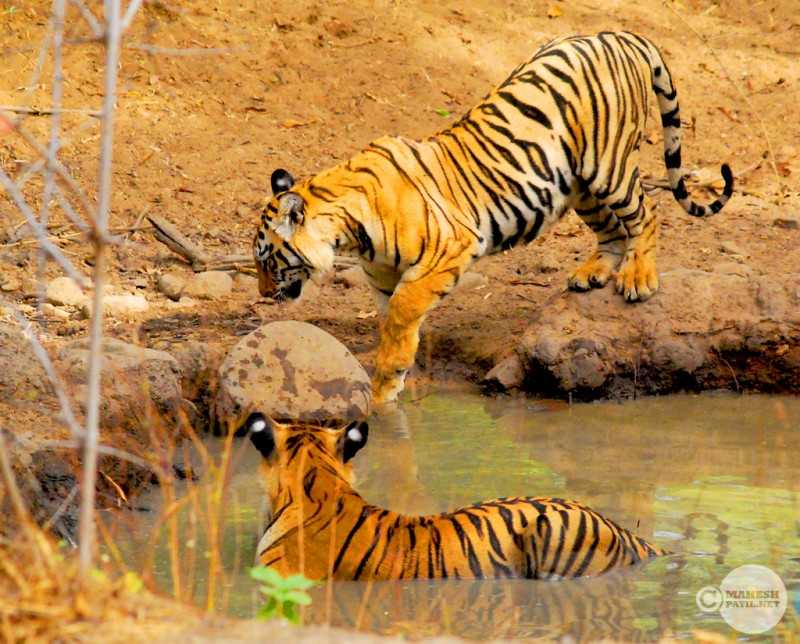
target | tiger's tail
[{"x": 671, "y": 122}]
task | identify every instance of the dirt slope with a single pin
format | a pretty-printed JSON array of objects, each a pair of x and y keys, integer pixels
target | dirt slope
[{"x": 215, "y": 95}]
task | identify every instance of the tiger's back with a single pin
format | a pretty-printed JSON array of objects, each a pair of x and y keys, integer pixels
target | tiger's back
[{"x": 321, "y": 526}]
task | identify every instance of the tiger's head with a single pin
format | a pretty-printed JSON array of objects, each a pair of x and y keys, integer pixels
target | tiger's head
[
  {"x": 292, "y": 243},
  {"x": 291, "y": 451}
]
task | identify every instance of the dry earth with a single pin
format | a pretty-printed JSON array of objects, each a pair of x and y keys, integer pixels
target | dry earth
[{"x": 214, "y": 96}]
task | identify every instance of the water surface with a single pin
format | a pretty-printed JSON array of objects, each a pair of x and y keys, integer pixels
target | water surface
[{"x": 716, "y": 479}]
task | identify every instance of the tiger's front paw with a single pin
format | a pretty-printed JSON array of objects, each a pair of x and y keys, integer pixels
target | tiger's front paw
[
  {"x": 595, "y": 273},
  {"x": 637, "y": 278},
  {"x": 386, "y": 387}
]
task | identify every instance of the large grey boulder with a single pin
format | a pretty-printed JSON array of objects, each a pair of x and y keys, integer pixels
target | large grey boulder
[{"x": 291, "y": 371}]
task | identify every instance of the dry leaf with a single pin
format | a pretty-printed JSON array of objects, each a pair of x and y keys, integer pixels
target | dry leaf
[
  {"x": 729, "y": 114},
  {"x": 290, "y": 123},
  {"x": 784, "y": 169},
  {"x": 554, "y": 11}
]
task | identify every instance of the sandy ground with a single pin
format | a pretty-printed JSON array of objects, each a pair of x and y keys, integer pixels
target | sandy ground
[{"x": 215, "y": 95}]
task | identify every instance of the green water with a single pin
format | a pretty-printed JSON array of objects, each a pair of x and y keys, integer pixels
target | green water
[{"x": 716, "y": 479}]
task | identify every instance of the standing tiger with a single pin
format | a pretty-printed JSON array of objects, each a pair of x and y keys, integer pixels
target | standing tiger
[
  {"x": 563, "y": 131},
  {"x": 321, "y": 526}
]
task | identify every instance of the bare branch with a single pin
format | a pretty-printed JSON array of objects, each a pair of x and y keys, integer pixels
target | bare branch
[
  {"x": 188, "y": 51},
  {"x": 48, "y": 111},
  {"x": 86, "y": 529},
  {"x": 44, "y": 359},
  {"x": 101, "y": 449},
  {"x": 40, "y": 232},
  {"x": 59, "y": 9},
  {"x": 88, "y": 16},
  {"x": 130, "y": 14}
]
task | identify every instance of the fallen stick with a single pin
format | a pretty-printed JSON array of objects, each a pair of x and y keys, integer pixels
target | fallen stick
[{"x": 166, "y": 232}]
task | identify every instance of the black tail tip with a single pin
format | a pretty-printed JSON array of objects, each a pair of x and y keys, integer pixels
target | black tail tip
[{"x": 727, "y": 175}]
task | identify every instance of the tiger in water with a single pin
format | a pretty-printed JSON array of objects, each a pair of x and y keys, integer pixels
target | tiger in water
[
  {"x": 321, "y": 526},
  {"x": 562, "y": 131}
]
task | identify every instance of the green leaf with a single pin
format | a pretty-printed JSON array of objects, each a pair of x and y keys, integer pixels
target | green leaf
[
  {"x": 290, "y": 613},
  {"x": 298, "y": 597},
  {"x": 267, "y": 575},
  {"x": 442, "y": 112},
  {"x": 268, "y": 610},
  {"x": 299, "y": 582}
]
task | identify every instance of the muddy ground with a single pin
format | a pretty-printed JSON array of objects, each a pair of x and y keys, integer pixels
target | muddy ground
[{"x": 214, "y": 96}]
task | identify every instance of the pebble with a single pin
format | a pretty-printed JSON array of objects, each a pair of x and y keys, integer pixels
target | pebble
[
  {"x": 118, "y": 305},
  {"x": 65, "y": 291},
  {"x": 171, "y": 285},
  {"x": 209, "y": 285}
]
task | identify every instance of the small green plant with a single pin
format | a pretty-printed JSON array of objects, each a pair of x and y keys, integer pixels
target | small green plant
[
  {"x": 442, "y": 112},
  {"x": 284, "y": 595}
]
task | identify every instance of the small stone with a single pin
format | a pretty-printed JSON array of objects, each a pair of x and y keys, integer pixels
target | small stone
[
  {"x": 352, "y": 277},
  {"x": 140, "y": 282},
  {"x": 171, "y": 285},
  {"x": 64, "y": 290},
  {"x": 183, "y": 303},
  {"x": 788, "y": 223},
  {"x": 209, "y": 285},
  {"x": 731, "y": 248},
  {"x": 10, "y": 285},
  {"x": 506, "y": 375},
  {"x": 55, "y": 312},
  {"x": 471, "y": 280},
  {"x": 118, "y": 305}
]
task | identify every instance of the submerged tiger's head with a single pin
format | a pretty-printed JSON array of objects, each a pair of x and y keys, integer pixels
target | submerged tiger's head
[
  {"x": 293, "y": 243},
  {"x": 302, "y": 454}
]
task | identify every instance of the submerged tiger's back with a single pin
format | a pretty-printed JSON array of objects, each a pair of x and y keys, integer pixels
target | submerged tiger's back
[{"x": 321, "y": 526}]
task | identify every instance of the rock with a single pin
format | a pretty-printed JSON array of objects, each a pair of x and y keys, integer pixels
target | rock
[
  {"x": 22, "y": 377},
  {"x": 352, "y": 277},
  {"x": 247, "y": 283},
  {"x": 55, "y": 312},
  {"x": 291, "y": 370},
  {"x": 64, "y": 290},
  {"x": 199, "y": 364},
  {"x": 118, "y": 306},
  {"x": 730, "y": 248},
  {"x": 506, "y": 375},
  {"x": 471, "y": 280},
  {"x": 733, "y": 268},
  {"x": 135, "y": 380},
  {"x": 171, "y": 285},
  {"x": 596, "y": 345},
  {"x": 10, "y": 285},
  {"x": 787, "y": 222},
  {"x": 209, "y": 285},
  {"x": 183, "y": 303}
]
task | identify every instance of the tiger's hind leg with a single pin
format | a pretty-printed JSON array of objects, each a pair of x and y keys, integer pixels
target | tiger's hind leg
[
  {"x": 637, "y": 277},
  {"x": 636, "y": 228},
  {"x": 611, "y": 238}
]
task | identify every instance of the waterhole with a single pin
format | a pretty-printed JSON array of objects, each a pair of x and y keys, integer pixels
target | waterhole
[{"x": 714, "y": 478}]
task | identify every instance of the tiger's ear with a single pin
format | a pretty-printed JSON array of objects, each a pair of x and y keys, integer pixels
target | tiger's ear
[
  {"x": 281, "y": 181},
  {"x": 260, "y": 429},
  {"x": 355, "y": 437},
  {"x": 291, "y": 213}
]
